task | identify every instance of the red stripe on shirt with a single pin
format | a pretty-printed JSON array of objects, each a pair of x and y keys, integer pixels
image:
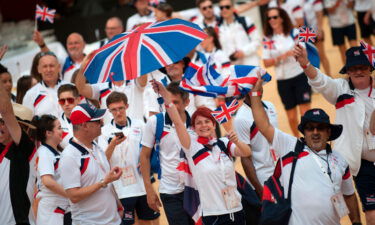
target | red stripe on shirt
[
  {"x": 295, "y": 9},
  {"x": 84, "y": 165},
  {"x": 32, "y": 154},
  {"x": 39, "y": 99},
  {"x": 288, "y": 160},
  {"x": 347, "y": 174},
  {"x": 344, "y": 102},
  {"x": 200, "y": 157},
  {"x": 59, "y": 210},
  {"x": 184, "y": 167},
  {"x": 251, "y": 29}
]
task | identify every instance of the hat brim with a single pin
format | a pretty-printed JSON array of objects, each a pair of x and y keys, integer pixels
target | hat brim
[
  {"x": 336, "y": 129},
  {"x": 26, "y": 124},
  {"x": 344, "y": 69},
  {"x": 99, "y": 114}
]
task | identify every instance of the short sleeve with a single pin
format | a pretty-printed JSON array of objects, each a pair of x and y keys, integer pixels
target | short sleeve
[
  {"x": 347, "y": 183},
  {"x": 148, "y": 137},
  {"x": 283, "y": 143},
  {"x": 318, "y": 5},
  {"x": 97, "y": 89},
  {"x": 70, "y": 172},
  {"x": 45, "y": 163}
]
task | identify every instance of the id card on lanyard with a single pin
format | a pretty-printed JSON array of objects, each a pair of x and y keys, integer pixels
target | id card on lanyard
[
  {"x": 128, "y": 174},
  {"x": 337, "y": 199},
  {"x": 231, "y": 199}
]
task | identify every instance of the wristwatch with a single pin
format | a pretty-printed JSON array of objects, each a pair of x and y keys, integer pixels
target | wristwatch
[{"x": 102, "y": 183}]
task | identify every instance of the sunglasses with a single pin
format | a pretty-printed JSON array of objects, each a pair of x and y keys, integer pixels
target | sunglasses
[
  {"x": 319, "y": 127},
  {"x": 204, "y": 8},
  {"x": 225, "y": 7},
  {"x": 41, "y": 54},
  {"x": 273, "y": 17},
  {"x": 63, "y": 100}
]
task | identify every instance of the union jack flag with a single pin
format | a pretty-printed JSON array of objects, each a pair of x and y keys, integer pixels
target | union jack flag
[
  {"x": 44, "y": 13},
  {"x": 268, "y": 43},
  {"x": 206, "y": 81},
  {"x": 146, "y": 48},
  {"x": 155, "y": 3},
  {"x": 306, "y": 34},
  {"x": 369, "y": 51},
  {"x": 224, "y": 113}
]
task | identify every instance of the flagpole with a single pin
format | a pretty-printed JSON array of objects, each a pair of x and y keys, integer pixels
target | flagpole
[{"x": 160, "y": 99}]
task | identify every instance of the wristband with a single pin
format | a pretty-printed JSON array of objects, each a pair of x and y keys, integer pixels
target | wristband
[
  {"x": 104, "y": 185},
  {"x": 42, "y": 45},
  {"x": 169, "y": 105},
  {"x": 120, "y": 208},
  {"x": 305, "y": 66},
  {"x": 256, "y": 93}
]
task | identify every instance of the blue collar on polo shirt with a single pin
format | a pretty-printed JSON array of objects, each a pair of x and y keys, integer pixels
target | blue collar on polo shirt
[
  {"x": 168, "y": 120},
  {"x": 54, "y": 151}
]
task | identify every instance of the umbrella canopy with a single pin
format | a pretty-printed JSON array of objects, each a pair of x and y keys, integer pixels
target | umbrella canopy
[{"x": 148, "y": 47}]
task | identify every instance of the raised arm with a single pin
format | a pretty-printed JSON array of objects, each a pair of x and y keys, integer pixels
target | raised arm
[
  {"x": 301, "y": 56},
  {"x": 7, "y": 114},
  {"x": 260, "y": 116},
  {"x": 83, "y": 88},
  {"x": 182, "y": 133},
  {"x": 3, "y": 50},
  {"x": 39, "y": 40}
]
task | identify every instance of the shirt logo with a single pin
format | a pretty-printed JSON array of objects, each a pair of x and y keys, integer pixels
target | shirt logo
[
  {"x": 356, "y": 53},
  {"x": 316, "y": 112}
]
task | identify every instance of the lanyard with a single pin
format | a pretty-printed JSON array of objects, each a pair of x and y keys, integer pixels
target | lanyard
[
  {"x": 93, "y": 156},
  {"x": 327, "y": 173}
]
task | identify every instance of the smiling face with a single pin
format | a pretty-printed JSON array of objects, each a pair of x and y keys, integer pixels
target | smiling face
[
  {"x": 175, "y": 70},
  {"x": 206, "y": 9},
  {"x": 113, "y": 27},
  {"x": 49, "y": 68},
  {"x": 204, "y": 127},
  {"x": 274, "y": 19},
  {"x": 75, "y": 45},
  {"x": 360, "y": 76},
  {"x": 226, "y": 9},
  {"x": 55, "y": 135},
  {"x": 6, "y": 79},
  {"x": 316, "y": 135}
]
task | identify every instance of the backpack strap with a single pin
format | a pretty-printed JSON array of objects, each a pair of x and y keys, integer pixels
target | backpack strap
[
  {"x": 297, "y": 150},
  {"x": 158, "y": 134}
]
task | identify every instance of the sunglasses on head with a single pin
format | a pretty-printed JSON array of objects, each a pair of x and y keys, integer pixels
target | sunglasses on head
[
  {"x": 225, "y": 7},
  {"x": 272, "y": 17},
  {"x": 319, "y": 127},
  {"x": 204, "y": 8},
  {"x": 41, "y": 54},
  {"x": 63, "y": 100}
]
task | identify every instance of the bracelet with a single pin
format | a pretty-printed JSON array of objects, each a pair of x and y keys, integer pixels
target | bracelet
[
  {"x": 120, "y": 208},
  {"x": 169, "y": 105},
  {"x": 104, "y": 185},
  {"x": 305, "y": 66},
  {"x": 256, "y": 93},
  {"x": 42, "y": 45}
]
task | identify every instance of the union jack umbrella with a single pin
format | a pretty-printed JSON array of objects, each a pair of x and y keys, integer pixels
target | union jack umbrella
[
  {"x": 369, "y": 51},
  {"x": 44, "y": 14},
  {"x": 306, "y": 34},
  {"x": 224, "y": 113},
  {"x": 146, "y": 48},
  {"x": 268, "y": 43}
]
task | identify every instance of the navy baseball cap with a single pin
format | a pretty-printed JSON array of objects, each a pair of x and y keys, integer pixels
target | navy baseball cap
[
  {"x": 354, "y": 57},
  {"x": 319, "y": 116},
  {"x": 86, "y": 113}
]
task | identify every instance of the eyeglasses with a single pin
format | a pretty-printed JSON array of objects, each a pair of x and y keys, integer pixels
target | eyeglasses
[
  {"x": 273, "y": 17},
  {"x": 319, "y": 127},
  {"x": 204, "y": 8},
  {"x": 359, "y": 67},
  {"x": 115, "y": 110},
  {"x": 227, "y": 7},
  {"x": 63, "y": 100}
]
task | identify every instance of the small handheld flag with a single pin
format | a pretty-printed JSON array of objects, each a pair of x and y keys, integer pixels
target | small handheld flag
[
  {"x": 224, "y": 113},
  {"x": 306, "y": 34},
  {"x": 369, "y": 51},
  {"x": 268, "y": 43},
  {"x": 44, "y": 14}
]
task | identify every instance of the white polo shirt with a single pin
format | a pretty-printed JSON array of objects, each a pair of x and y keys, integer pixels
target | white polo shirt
[
  {"x": 67, "y": 128},
  {"x": 42, "y": 99},
  {"x": 48, "y": 164},
  {"x": 125, "y": 154},
  {"x": 310, "y": 8},
  {"x": 80, "y": 169},
  {"x": 362, "y": 5},
  {"x": 132, "y": 90},
  {"x": 309, "y": 178},
  {"x": 170, "y": 182},
  {"x": 342, "y": 16},
  {"x": 213, "y": 170},
  {"x": 292, "y": 7},
  {"x": 247, "y": 132},
  {"x": 137, "y": 19},
  {"x": 289, "y": 67}
]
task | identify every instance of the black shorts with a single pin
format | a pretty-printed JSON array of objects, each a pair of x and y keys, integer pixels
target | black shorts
[
  {"x": 366, "y": 30},
  {"x": 139, "y": 205},
  {"x": 237, "y": 218},
  {"x": 365, "y": 183},
  {"x": 174, "y": 209},
  {"x": 338, "y": 34},
  {"x": 294, "y": 91}
]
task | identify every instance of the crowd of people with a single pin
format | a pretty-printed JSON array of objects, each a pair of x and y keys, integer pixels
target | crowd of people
[{"x": 78, "y": 153}]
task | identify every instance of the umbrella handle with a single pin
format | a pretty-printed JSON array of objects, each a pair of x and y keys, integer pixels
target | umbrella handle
[{"x": 160, "y": 99}]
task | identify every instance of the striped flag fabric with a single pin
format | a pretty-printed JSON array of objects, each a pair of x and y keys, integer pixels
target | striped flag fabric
[
  {"x": 44, "y": 14},
  {"x": 224, "y": 113},
  {"x": 206, "y": 81},
  {"x": 369, "y": 51}
]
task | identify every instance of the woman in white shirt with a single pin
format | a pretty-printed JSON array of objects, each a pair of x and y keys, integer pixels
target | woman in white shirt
[
  {"x": 54, "y": 202},
  {"x": 278, "y": 51},
  {"x": 210, "y": 161}
]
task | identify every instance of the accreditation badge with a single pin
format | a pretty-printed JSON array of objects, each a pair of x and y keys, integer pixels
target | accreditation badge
[
  {"x": 232, "y": 201},
  {"x": 339, "y": 205},
  {"x": 128, "y": 176}
]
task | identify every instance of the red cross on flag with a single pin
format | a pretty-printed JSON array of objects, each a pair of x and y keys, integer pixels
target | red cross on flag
[
  {"x": 268, "y": 43},
  {"x": 369, "y": 51},
  {"x": 224, "y": 113},
  {"x": 306, "y": 34},
  {"x": 44, "y": 14}
]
